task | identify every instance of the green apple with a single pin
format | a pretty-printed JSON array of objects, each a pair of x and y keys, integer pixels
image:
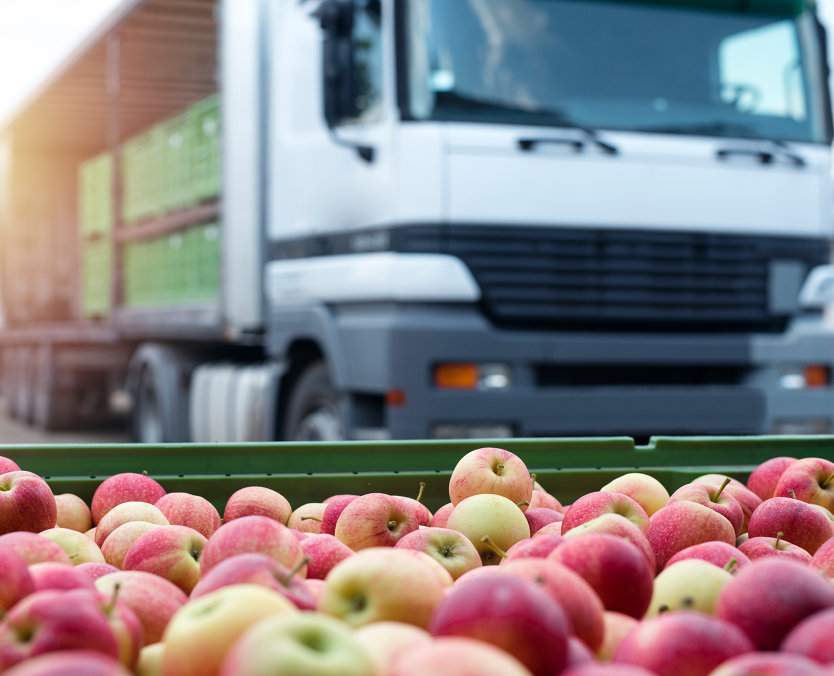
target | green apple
[
  {"x": 688, "y": 584},
  {"x": 495, "y": 516},
  {"x": 383, "y": 641},
  {"x": 644, "y": 489},
  {"x": 78, "y": 546}
]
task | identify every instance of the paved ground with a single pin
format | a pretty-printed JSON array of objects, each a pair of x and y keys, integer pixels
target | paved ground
[{"x": 12, "y": 432}]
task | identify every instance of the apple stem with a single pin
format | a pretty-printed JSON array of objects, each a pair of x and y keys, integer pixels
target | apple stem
[
  {"x": 144, "y": 472},
  {"x": 314, "y": 518},
  {"x": 778, "y": 539},
  {"x": 295, "y": 569},
  {"x": 112, "y": 602},
  {"x": 523, "y": 503},
  {"x": 487, "y": 540},
  {"x": 420, "y": 493},
  {"x": 793, "y": 494},
  {"x": 732, "y": 566},
  {"x": 721, "y": 489}
]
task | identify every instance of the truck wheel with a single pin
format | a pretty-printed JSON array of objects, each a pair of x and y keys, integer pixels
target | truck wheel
[
  {"x": 313, "y": 412},
  {"x": 146, "y": 422}
]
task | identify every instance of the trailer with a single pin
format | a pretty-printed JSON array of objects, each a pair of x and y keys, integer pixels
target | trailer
[{"x": 400, "y": 219}]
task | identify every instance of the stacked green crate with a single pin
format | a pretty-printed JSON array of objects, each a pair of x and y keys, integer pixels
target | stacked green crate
[
  {"x": 96, "y": 274},
  {"x": 205, "y": 149},
  {"x": 95, "y": 199},
  {"x": 178, "y": 133},
  {"x": 143, "y": 177}
]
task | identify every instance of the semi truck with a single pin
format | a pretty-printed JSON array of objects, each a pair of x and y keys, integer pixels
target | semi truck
[{"x": 243, "y": 220}]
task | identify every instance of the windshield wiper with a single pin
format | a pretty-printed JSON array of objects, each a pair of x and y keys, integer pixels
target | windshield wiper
[{"x": 552, "y": 116}]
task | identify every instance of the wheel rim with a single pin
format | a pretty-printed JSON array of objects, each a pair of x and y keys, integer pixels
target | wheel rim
[{"x": 321, "y": 424}]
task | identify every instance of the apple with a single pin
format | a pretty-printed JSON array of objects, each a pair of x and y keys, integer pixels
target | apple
[
  {"x": 119, "y": 542},
  {"x": 125, "y": 512},
  {"x": 375, "y": 520},
  {"x": 823, "y": 559},
  {"x": 592, "y": 505},
  {"x": 257, "y": 501},
  {"x": 73, "y": 512},
  {"x": 688, "y": 584},
  {"x": 800, "y": 523},
  {"x": 70, "y": 663},
  {"x": 580, "y": 602},
  {"x": 186, "y": 509},
  {"x": 682, "y": 643},
  {"x": 307, "y": 518},
  {"x": 537, "y": 517},
  {"x": 34, "y": 548},
  {"x": 616, "y": 570},
  {"x": 15, "y": 579},
  {"x": 324, "y": 552},
  {"x": 8, "y": 465},
  {"x": 717, "y": 553},
  {"x": 578, "y": 653},
  {"x": 532, "y": 547},
  {"x": 201, "y": 633},
  {"x": 421, "y": 512},
  {"x": 440, "y": 572},
  {"x": 315, "y": 588},
  {"x": 615, "y": 524},
  {"x": 378, "y": 584},
  {"x": 810, "y": 480},
  {"x": 440, "y": 519},
  {"x": 745, "y": 497},
  {"x": 383, "y": 641},
  {"x": 51, "y": 575},
  {"x": 768, "y": 664},
  {"x": 26, "y": 503},
  {"x": 490, "y": 516},
  {"x": 770, "y": 597},
  {"x": 451, "y": 549},
  {"x": 152, "y": 598},
  {"x": 617, "y": 627},
  {"x": 765, "y": 477},
  {"x": 172, "y": 552},
  {"x": 543, "y": 500},
  {"x": 125, "y": 487},
  {"x": 127, "y": 629},
  {"x": 491, "y": 471},
  {"x": 335, "y": 506},
  {"x": 644, "y": 489},
  {"x": 511, "y": 613},
  {"x": 95, "y": 570},
  {"x": 758, "y": 547},
  {"x": 255, "y": 568},
  {"x": 51, "y": 620},
  {"x": 714, "y": 498},
  {"x": 78, "y": 546},
  {"x": 811, "y": 638},
  {"x": 302, "y": 644},
  {"x": 150, "y": 660},
  {"x": 456, "y": 656},
  {"x": 607, "y": 669},
  {"x": 554, "y": 528},
  {"x": 251, "y": 534},
  {"x": 683, "y": 524}
]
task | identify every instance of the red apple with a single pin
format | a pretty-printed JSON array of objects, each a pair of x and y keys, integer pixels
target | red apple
[
  {"x": 118, "y": 543},
  {"x": 758, "y": 547},
  {"x": 616, "y": 570},
  {"x": 683, "y": 524},
  {"x": 73, "y": 513},
  {"x": 810, "y": 480},
  {"x": 812, "y": 638},
  {"x": 375, "y": 520},
  {"x": 34, "y": 548},
  {"x": 383, "y": 641},
  {"x": 334, "y": 509},
  {"x": 26, "y": 503},
  {"x": 251, "y": 534},
  {"x": 823, "y": 559},
  {"x": 456, "y": 656},
  {"x": 95, "y": 570},
  {"x": 15, "y": 579},
  {"x": 260, "y": 569},
  {"x": 70, "y": 663},
  {"x": 543, "y": 500},
  {"x": 745, "y": 497},
  {"x": 717, "y": 553},
  {"x": 682, "y": 643},
  {"x": 800, "y": 523},
  {"x": 764, "y": 479},
  {"x": 592, "y": 505},
  {"x": 440, "y": 519},
  {"x": 194, "y": 511},
  {"x": 713, "y": 497},
  {"x": 512, "y": 614},
  {"x": 768, "y": 664},
  {"x": 537, "y": 548},
  {"x": 51, "y": 575},
  {"x": 8, "y": 465},
  {"x": 127, "y": 629},
  {"x": 257, "y": 501},
  {"x": 451, "y": 549},
  {"x": 324, "y": 552},
  {"x": 614, "y": 524},
  {"x": 125, "y": 512},
  {"x": 125, "y": 487},
  {"x": 770, "y": 597},
  {"x": 491, "y": 470},
  {"x": 554, "y": 528},
  {"x": 152, "y": 598},
  {"x": 51, "y": 620},
  {"x": 578, "y": 653},
  {"x": 172, "y": 552},
  {"x": 537, "y": 517}
]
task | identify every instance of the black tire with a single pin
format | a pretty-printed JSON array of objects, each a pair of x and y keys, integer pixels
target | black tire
[
  {"x": 313, "y": 410},
  {"x": 147, "y": 424}
]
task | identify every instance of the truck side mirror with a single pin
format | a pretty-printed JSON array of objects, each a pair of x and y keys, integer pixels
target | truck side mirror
[{"x": 336, "y": 17}]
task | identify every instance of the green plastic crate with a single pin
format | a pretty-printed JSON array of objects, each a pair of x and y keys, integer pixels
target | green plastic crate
[
  {"x": 205, "y": 149},
  {"x": 143, "y": 157},
  {"x": 96, "y": 276},
  {"x": 178, "y": 133},
  {"x": 95, "y": 197},
  {"x": 312, "y": 471}
]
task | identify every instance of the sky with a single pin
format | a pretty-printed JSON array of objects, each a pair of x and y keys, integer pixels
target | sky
[{"x": 36, "y": 35}]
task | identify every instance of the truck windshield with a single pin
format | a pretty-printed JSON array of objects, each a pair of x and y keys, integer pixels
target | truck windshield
[{"x": 672, "y": 67}]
